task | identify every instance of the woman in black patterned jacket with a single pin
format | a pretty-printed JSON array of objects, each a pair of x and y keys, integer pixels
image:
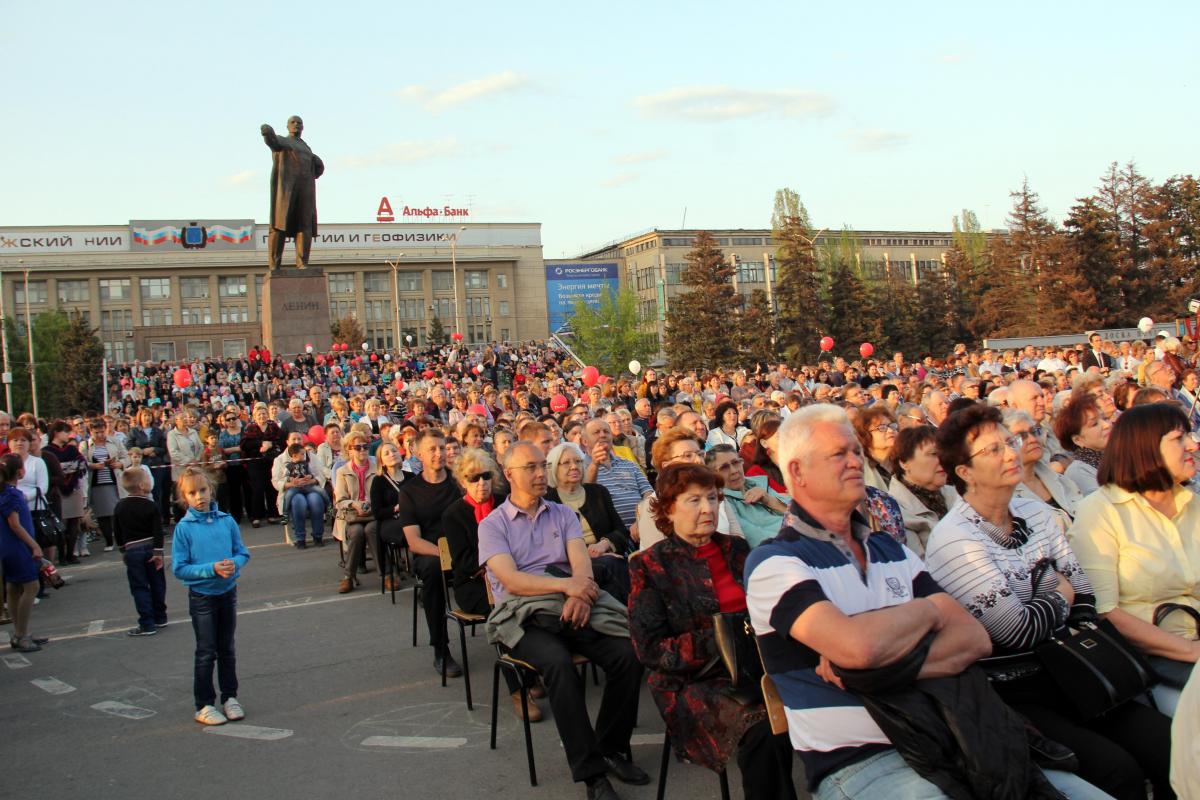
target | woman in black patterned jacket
[{"x": 677, "y": 587}]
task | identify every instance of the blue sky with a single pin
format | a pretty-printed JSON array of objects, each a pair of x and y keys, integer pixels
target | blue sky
[{"x": 596, "y": 120}]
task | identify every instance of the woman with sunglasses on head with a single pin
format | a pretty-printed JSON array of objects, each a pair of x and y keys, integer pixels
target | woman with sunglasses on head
[{"x": 989, "y": 553}]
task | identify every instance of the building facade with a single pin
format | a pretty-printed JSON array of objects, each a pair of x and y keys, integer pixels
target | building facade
[
  {"x": 652, "y": 262},
  {"x": 171, "y": 289}
]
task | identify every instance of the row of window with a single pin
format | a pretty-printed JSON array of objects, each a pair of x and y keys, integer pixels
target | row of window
[
  {"x": 150, "y": 289},
  {"x": 722, "y": 241},
  {"x": 747, "y": 272}
]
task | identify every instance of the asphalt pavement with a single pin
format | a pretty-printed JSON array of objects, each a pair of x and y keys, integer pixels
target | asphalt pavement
[{"x": 337, "y": 699}]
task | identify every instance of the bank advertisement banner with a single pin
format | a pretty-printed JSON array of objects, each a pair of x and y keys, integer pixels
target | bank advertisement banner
[{"x": 568, "y": 283}]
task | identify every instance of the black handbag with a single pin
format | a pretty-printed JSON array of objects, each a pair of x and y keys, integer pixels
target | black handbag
[
  {"x": 1092, "y": 664},
  {"x": 738, "y": 652},
  {"x": 48, "y": 529}
]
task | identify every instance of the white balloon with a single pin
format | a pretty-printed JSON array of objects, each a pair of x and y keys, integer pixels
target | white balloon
[
  {"x": 635, "y": 366},
  {"x": 1145, "y": 325},
  {"x": 408, "y": 338},
  {"x": 308, "y": 348},
  {"x": 387, "y": 356},
  {"x": 366, "y": 345}
]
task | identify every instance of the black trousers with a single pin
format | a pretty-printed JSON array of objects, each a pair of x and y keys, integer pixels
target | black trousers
[
  {"x": 765, "y": 760},
  {"x": 1118, "y": 751},
  {"x": 235, "y": 479},
  {"x": 429, "y": 570},
  {"x": 262, "y": 493},
  {"x": 550, "y": 653},
  {"x": 391, "y": 531}
]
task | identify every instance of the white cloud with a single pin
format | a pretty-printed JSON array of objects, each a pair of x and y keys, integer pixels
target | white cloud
[
  {"x": 480, "y": 88},
  {"x": 640, "y": 158},
  {"x": 406, "y": 152},
  {"x": 870, "y": 140},
  {"x": 720, "y": 103},
  {"x": 241, "y": 178},
  {"x": 620, "y": 179}
]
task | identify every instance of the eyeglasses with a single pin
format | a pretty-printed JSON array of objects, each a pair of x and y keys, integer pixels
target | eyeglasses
[
  {"x": 885, "y": 426},
  {"x": 482, "y": 476},
  {"x": 997, "y": 448},
  {"x": 537, "y": 466},
  {"x": 728, "y": 465},
  {"x": 357, "y": 447}
]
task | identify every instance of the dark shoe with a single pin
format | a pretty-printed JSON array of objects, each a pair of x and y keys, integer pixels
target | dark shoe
[
  {"x": 626, "y": 771},
  {"x": 346, "y": 586},
  {"x": 141, "y": 631},
  {"x": 274, "y": 520},
  {"x": 537, "y": 690},
  {"x": 453, "y": 670},
  {"x": 161, "y": 622},
  {"x": 318, "y": 542},
  {"x": 27, "y": 645},
  {"x": 254, "y": 523},
  {"x": 301, "y": 545},
  {"x": 601, "y": 789},
  {"x": 72, "y": 560},
  {"x": 38, "y": 640}
]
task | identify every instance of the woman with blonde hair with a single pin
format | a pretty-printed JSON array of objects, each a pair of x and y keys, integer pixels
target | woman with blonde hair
[{"x": 354, "y": 523}]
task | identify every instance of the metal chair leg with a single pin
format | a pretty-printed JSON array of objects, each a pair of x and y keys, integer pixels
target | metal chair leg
[
  {"x": 495, "y": 699},
  {"x": 528, "y": 733},
  {"x": 416, "y": 602},
  {"x": 724, "y": 785},
  {"x": 466, "y": 666},
  {"x": 663, "y": 765}
]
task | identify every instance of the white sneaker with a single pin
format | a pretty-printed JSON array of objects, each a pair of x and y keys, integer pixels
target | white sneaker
[
  {"x": 209, "y": 715},
  {"x": 108, "y": 549},
  {"x": 234, "y": 710}
]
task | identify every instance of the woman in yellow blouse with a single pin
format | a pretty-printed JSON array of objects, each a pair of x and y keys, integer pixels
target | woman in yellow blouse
[{"x": 1138, "y": 539}]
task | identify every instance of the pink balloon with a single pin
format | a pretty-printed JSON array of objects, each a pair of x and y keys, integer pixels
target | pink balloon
[
  {"x": 316, "y": 434},
  {"x": 590, "y": 376},
  {"x": 826, "y": 343}
]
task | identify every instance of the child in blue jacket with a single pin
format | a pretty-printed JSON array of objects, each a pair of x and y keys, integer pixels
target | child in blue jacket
[{"x": 207, "y": 554}]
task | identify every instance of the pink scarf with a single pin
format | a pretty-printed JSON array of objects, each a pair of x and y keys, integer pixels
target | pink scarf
[{"x": 481, "y": 509}]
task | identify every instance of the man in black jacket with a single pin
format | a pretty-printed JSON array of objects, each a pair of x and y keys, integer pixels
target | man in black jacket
[
  {"x": 1094, "y": 356},
  {"x": 137, "y": 526}
]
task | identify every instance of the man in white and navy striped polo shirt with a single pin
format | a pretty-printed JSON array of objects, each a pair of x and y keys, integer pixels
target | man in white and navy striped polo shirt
[{"x": 828, "y": 590}]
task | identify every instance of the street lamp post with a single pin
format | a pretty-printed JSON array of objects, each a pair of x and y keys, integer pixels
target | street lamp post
[
  {"x": 454, "y": 272},
  {"x": 7, "y": 377},
  {"x": 396, "y": 297},
  {"x": 29, "y": 339}
]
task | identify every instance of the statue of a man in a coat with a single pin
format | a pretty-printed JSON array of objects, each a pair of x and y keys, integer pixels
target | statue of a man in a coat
[{"x": 294, "y": 173}]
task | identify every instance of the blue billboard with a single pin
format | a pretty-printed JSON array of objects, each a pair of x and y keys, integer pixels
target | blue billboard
[{"x": 588, "y": 281}]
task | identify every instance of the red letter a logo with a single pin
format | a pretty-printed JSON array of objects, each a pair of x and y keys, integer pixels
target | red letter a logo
[{"x": 384, "y": 214}]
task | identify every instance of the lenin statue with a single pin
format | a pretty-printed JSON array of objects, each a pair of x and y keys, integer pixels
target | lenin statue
[{"x": 294, "y": 173}]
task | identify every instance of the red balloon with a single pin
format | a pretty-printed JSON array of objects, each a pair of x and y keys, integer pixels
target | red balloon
[
  {"x": 458, "y": 337},
  {"x": 400, "y": 385},
  {"x": 320, "y": 360},
  {"x": 478, "y": 409},
  {"x": 826, "y": 343},
  {"x": 590, "y": 376},
  {"x": 558, "y": 404},
  {"x": 183, "y": 378},
  {"x": 866, "y": 349},
  {"x": 316, "y": 434},
  {"x": 449, "y": 384},
  {"x": 337, "y": 370},
  {"x": 427, "y": 374},
  {"x": 604, "y": 379},
  {"x": 374, "y": 357},
  {"x": 477, "y": 369}
]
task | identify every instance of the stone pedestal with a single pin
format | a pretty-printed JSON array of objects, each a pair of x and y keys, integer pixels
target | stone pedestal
[{"x": 295, "y": 311}]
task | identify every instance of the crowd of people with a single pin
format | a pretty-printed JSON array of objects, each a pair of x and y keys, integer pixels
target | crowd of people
[{"x": 895, "y": 543}]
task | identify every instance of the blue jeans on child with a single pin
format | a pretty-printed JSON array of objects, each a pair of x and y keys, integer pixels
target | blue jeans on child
[
  {"x": 148, "y": 585},
  {"x": 308, "y": 503},
  {"x": 214, "y": 619}
]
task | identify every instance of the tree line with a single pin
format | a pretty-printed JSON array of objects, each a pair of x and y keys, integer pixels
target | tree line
[{"x": 1130, "y": 249}]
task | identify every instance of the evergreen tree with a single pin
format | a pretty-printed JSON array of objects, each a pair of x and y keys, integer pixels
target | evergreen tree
[
  {"x": 756, "y": 333},
  {"x": 348, "y": 330},
  {"x": 702, "y": 319},
  {"x": 1091, "y": 246},
  {"x": 934, "y": 316},
  {"x": 610, "y": 337},
  {"x": 437, "y": 333},
  {"x": 1122, "y": 196},
  {"x": 798, "y": 284},
  {"x": 80, "y": 383},
  {"x": 1173, "y": 244},
  {"x": 1014, "y": 300},
  {"x": 966, "y": 268},
  {"x": 847, "y": 306}
]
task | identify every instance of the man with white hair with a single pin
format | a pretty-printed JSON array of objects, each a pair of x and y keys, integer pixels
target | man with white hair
[
  {"x": 1027, "y": 396},
  {"x": 936, "y": 407},
  {"x": 829, "y": 596}
]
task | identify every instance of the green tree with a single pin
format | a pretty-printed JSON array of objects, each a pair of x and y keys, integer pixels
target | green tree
[
  {"x": 81, "y": 386},
  {"x": 1173, "y": 244},
  {"x": 609, "y": 337},
  {"x": 702, "y": 318},
  {"x": 846, "y": 302},
  {"x": 348, "y": 330},
  {"x": 798, "y": 282},
  {"x": 966, "y": 267},
  {"x": 67, "y": 358},
  {"x": 756, "y": 333},
  {"x": 437, "y": 333},
  {"x": 1014, "y": 298}
]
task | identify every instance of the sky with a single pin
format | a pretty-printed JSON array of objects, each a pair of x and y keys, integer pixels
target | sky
[{"x": 597, "y": 121}]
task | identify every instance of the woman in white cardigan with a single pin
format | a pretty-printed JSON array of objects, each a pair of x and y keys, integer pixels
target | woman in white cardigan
[
  {"x": 919, "y": 484},
  {"x": 1038, "y": 480}
]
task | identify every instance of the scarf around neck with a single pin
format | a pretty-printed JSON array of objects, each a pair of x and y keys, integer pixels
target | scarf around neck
[
  {"x": 481, "y": 509},
  {"x": 930, "y": 498},
  {"x": 1088, "y": 456}
]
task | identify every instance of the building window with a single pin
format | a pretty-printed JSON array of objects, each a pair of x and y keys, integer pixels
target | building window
[
  {"x": 119, "y": 352},
  {"x": 504, "y": 308},
  {"x": 233, "y": 348},
  {"x": 193, "y": 288},
  {"x": 340, "y": 309},
  {"x": 750, "y": 272},
  {"x": 444, "y": 309},
  {"x": 196, "y": 315},
  {"x": 72, "y": 291},
  {"x": 409, "y": 281},
  {"x": 201, "y": 348},
  {"x": 341, "y": 283},
  {"x": 234, "y": 314},
  {"x": 156, "y": 288},
  {"x": 156, "y": 316},
  {"x": 378, "y": 310},
  {"x": 231, "y": 286},
  {"x": 504, "y": 334},
  {"x": 37, "y": 292},
  {"x": 674, "y": 275},
  {"x": 442, "y": 281},
  {"x": 162, "y": 351},
  {"x": 115, "y": 289},
  {"x": 501, "y": 280},
  {"x": 117, "y": 321},
  {"x": 476, "y": 279},
  {"x": 412, "y": 309},
  {"x": 376, "y": 282},
  {"x": 479, "y": 307},
  {"x": 746, "y": 240}
]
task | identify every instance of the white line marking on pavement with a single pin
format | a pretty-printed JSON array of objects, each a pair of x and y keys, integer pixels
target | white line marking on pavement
[
  {"x": 249, "y": 732},
  {"x": 17, "y": 662},
  {"x": 645, "y": 738},
  {"x": 53, "y": 685},
  {"x": 124, "y": 710},
  {"x": 422, "y": 742},
  {"x": 95, "y": 626}
]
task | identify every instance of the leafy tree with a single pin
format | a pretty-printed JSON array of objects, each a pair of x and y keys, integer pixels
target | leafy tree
[
  {"x": 348, "y": 330},
  {"x": 798, "y": 285},
  {"x": 437, "y": 333},
  {"x": 610, "y": 337},
  {"x": 68, "y": 359},
  {"x": 702, "y": 319}
]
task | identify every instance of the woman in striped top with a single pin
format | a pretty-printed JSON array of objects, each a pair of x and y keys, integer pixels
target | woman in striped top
[{"x": 984, "y": 553}]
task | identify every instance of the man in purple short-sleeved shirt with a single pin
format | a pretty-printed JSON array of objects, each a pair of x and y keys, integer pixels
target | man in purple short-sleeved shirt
[{"x": 518, "y": 542}]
